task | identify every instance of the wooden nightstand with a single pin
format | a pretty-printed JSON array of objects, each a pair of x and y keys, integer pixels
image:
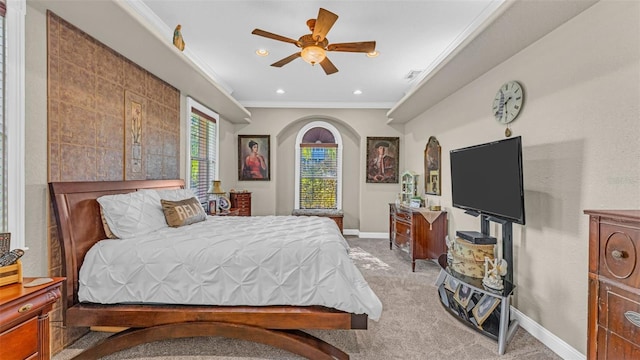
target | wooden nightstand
[
  {"x": 242, "y": 202},
  {"x": 24, "y": 319}
]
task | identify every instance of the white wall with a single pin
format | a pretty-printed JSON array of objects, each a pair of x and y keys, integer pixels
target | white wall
[
  {"x": 35, "y": 260},
  {"x": 580, "y": 126},
  {"x": 365, "y": 205}
]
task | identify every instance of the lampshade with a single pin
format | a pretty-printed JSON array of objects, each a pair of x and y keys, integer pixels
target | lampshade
[
  {"x": 215, "y": 188},
  {"x": 313, "y": 54}
]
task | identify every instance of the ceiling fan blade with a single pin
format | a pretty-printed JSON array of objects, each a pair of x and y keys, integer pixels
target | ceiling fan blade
[
  {"x": 274, "y": 36},
  {"x": 286, "y": 60},
  {"x": 328, "y": 66},
  {"x": 325, "y": 21},
  {"x": 365, "y": 47}
]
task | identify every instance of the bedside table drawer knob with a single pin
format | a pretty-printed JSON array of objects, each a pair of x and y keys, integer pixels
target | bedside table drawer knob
[
  {"x": 25, "y": 308},
  {"x": 617, "y": 254},
  {"x": 633, "y": 317}
]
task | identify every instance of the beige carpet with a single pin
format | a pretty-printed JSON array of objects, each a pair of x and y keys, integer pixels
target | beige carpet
[{"x": 413, "y": 324}]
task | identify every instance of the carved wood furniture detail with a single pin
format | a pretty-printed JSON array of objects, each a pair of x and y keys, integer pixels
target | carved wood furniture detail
[
  {"x": 24, "y": 319},
  {"x": 411, "y": 232},
  {"x": 242, "y": 202},
  {"x": 614, "y": 284}
]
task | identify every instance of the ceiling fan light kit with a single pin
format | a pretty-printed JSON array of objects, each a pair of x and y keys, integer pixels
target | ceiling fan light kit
[
  {"x": 313, "y": 54},
  {"x": 315, "y": 45}
]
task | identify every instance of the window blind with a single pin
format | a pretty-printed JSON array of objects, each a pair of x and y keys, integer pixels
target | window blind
[
  {"x": 318, "y": 176},
  {"x": 203, "y": 153}
]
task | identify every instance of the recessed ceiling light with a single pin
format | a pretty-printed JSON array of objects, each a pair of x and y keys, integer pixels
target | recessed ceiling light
[
  {"x": 357, "y": 92},
  {"x": 280, "y": 91},
  {"x": 373, "y": 54},
  {"x": 262, "y": 52}
]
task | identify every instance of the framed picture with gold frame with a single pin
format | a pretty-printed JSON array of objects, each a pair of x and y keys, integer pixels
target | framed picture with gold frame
[
  {"x": 484, "y": 308},
  {"x": 463, "y": 295},
  {"x": 432, "y": 183}
]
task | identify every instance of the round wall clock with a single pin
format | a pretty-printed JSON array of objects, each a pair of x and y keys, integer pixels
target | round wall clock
[{"x": 508, "y": 102}]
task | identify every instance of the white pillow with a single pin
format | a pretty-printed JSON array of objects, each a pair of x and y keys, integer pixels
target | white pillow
[
  {"x": 177, "y": 195},
  {"x": 133, "y": 214}
]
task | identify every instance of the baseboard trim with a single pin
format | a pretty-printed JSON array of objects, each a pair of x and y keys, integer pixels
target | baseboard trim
[
  {"x": 546, "y": 337},
  {"x": 354, "y": 232},
  {"x": 372, "y": 235}
]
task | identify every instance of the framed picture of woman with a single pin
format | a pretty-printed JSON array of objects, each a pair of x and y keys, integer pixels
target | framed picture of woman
[
  {"x": 432, "y": 167},
  {"x": 254, "y": 157}
]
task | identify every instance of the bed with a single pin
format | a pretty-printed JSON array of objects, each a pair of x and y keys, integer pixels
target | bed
[{"x": 257, "y": 318}]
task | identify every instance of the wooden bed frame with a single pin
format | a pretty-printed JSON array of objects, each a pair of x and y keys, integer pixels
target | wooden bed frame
[{"x": 79, "y": 225}]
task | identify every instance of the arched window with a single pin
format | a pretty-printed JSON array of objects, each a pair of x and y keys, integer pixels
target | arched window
[{"x": 318, "y": 167}]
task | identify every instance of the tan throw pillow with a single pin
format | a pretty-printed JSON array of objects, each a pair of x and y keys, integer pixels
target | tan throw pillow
[{"x": 183, "y": 212}]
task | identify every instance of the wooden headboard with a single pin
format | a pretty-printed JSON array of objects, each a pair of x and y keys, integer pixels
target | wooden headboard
[{"x": 77, "y": 215}]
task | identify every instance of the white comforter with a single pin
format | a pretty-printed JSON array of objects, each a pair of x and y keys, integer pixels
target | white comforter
[{"x": 228, "y": 260}]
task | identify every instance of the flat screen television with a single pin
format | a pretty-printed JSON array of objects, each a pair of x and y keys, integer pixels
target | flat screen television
[{"x": 487, "y": 179}]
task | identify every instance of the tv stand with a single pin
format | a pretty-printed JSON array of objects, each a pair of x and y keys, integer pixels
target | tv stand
[{"x": 494, "y": 323}]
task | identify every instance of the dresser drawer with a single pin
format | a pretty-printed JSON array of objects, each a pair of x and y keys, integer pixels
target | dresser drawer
[
  {"x": 27, "y": 306},
  {"x": 403, "y": 229},
  {"x": 621, "y": 312},
  {"x": 20, "y": 342},
  {"x": 403, "y": 216},
  {"x": 619, "y": 254}
]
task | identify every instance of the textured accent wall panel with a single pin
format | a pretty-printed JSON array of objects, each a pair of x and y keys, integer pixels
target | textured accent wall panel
[{"x": 108, "y": 119}]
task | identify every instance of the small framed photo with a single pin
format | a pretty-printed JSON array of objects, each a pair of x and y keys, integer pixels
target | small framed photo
[
  {"x": 451, "y": 283},
  {"x": 463, "y": 295},
  {"x": 212, "y": 207},
  {"x": 484, "y": 308},
  {"x": 5, "y": 243}
]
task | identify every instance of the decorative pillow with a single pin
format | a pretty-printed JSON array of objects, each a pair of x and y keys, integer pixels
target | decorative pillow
[
  {"x": 183, "y": 212},
  {"x": 132, "y": 214}
]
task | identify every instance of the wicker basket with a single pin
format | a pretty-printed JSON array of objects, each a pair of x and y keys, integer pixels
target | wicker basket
[
  {"x": 468, "y": 258},
  {"x": 11, "y": 274}
]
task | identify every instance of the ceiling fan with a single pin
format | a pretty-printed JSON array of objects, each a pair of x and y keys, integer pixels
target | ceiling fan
[{"x": 315, "y": 45}]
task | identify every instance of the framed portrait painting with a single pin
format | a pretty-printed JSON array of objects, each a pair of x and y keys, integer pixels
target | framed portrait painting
[
  {"x": 383, "y": 157},
  {"x": 432, "y": 167},
  {"x": 254, "y": 157}
]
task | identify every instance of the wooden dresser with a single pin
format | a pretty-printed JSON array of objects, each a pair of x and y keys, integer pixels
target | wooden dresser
[
  {"x": 242, "y": 202},
  {"x": 410, "y": 231},
  {"x": 24, "y": 319},
  {"x": 614, "y": 284}
]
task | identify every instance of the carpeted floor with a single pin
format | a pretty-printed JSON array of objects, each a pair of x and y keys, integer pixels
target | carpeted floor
[{"x": 413, "y": 324}]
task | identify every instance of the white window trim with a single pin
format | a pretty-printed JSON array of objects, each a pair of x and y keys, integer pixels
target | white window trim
[
  {"x": 192, "y": 103},
  {"x": 15, "y": 118},
  {"x": 338, "y": 138}
]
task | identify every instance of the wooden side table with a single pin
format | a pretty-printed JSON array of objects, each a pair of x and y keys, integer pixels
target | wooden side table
[
  {"x": 242, "y": 202},
  {"x": 24, "y": 319}
]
